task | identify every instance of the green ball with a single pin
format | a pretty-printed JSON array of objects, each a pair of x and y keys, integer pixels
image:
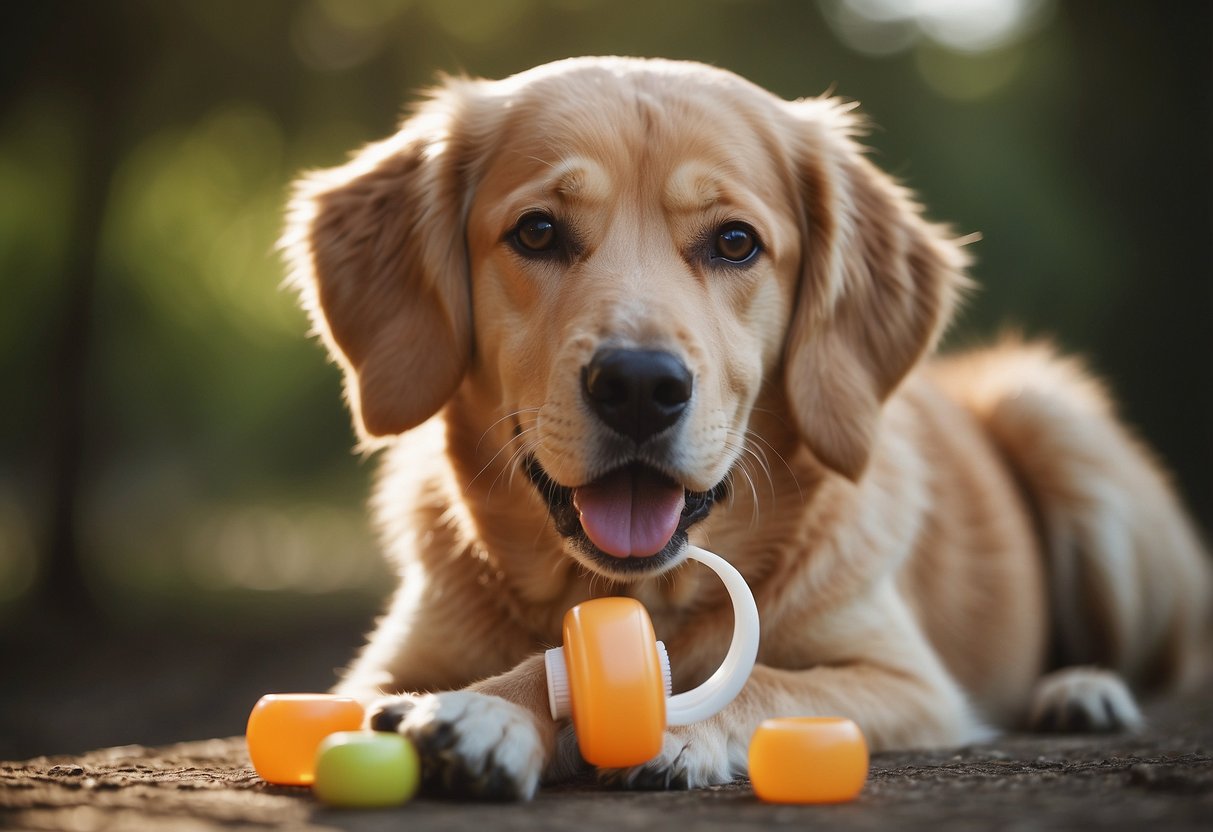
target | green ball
[{"x": 366, "y": 770}]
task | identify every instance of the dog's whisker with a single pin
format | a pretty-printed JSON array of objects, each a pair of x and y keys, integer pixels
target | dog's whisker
[
  {"x": 762, "y": 466},
  {"x": 510, "y": 469},
  {"x": 492, "y": 485},
  {"x": 515, "y": 438},
  {"x": 487, "y": 465},
  {"x": 752, "y": 435},
  {"x": 752, "y": 461},
  {"x": 731, "y": 491},
  {"x": 542, "y": 161},
  {"x": 489, "y": 429},
  {"x": 756, "y": 452},
  {"x": 744, "y": 466},
  {"x": 760, "y": 454}
]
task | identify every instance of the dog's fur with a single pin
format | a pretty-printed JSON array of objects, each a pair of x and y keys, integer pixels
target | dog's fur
[{"x": 937, "y": 548}]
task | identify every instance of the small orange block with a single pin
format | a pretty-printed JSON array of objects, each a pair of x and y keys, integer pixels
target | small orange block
[
  {"x": 285, "y": 729},
  {"x": 808, "y": 760}
]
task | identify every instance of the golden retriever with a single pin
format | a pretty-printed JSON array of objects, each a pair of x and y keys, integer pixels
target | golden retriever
[{"x": 609, "y": 306}]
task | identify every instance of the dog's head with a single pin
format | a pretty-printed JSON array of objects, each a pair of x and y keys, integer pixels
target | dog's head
[{"x": 608, "y": 261}]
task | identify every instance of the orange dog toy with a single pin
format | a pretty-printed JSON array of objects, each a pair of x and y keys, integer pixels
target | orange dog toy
[
  {"x": 808, "y": 760},
  {"x": 285, "y": 729}
]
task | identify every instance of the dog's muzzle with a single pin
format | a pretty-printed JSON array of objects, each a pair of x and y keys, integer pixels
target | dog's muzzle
[{"x": 634, "y": 517}]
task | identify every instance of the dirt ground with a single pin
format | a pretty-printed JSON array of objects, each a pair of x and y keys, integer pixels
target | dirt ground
[{"x": 1160, "y": 779}]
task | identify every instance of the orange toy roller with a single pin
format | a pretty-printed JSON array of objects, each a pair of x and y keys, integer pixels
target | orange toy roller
[
  {"x": 285, "y": 729},
  {"x": 808, "y": 760},
  {"x": 613, "y": 664},
  {"x": 612, "y": 676}
]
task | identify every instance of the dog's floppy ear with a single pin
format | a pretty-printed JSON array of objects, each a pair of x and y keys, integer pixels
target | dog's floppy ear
[
  {"x": 376, "y": 249},
  {"x": 877, "y": 286}
]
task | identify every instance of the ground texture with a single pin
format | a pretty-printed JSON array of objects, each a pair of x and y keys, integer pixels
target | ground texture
[{"x": 1159, "y": 779}]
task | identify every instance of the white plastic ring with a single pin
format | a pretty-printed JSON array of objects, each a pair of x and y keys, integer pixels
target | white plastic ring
[{"x": 722, "y": 686}]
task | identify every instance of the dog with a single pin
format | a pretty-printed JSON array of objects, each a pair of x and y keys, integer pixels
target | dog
[{"x": 609, "y": 306}]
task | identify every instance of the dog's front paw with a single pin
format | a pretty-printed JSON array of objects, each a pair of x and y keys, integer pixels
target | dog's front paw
[
  {"x": 691, "y": 757},
  {"x": 386, "y": 713},
  {"x": 471, "y": 745},
  {"x": 1083, "y": 699}
]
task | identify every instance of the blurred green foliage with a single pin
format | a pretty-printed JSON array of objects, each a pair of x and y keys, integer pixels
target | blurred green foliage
[{"x": 146, "y": 149}]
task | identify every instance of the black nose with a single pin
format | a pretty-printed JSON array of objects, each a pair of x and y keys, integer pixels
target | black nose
[{"x": 637, "y": 392}]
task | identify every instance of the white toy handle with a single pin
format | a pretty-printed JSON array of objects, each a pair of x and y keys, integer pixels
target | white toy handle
[{"x": 722, "y": 686}]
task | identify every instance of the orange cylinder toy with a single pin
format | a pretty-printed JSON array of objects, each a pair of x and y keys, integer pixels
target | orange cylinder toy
[
  {"x": 808, "y": 760},
  {"x": 284, "y": 730},
  {"x": 616, "y": 680}
]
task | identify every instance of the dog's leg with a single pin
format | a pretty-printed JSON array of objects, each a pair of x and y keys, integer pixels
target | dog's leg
[
  {"x": 889, "y": 681},
  {"x": 1131, "y": 588},
  {"x": 492, "y": 740},
  {"x": 892, "y": 708}
]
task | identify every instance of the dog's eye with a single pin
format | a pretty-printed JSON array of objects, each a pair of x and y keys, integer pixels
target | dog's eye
[
  {"x": 536, "y": 232},
  {"x": 736, "y": 243}
]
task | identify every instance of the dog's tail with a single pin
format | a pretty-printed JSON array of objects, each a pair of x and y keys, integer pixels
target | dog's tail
[{"x": 1130, "y": 583}]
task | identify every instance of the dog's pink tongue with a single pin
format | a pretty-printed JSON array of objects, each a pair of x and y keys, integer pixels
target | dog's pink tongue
[{"x": 632, "y": 512}]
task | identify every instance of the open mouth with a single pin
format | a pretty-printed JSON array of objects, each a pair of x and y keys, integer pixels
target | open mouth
[{"x": 631, "y": 520}]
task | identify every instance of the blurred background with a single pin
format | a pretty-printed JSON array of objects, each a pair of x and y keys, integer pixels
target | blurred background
[{"x": 181, "y": 517}]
